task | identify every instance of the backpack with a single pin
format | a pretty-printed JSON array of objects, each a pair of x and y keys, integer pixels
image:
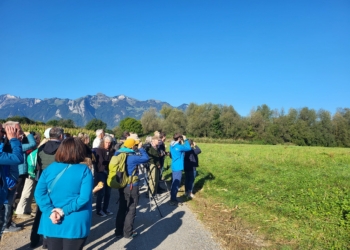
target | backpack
[
  {"x": 117, "y": 175},
  {"x": 31, "y": 161}
]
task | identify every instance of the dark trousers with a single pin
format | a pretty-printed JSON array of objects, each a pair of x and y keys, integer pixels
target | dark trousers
[
  {"x": 104, "y": 194},
  {"x": 34, "y": 236},
  {"x": 128, "y": 200},
  {"x": 65, "y": 244}
]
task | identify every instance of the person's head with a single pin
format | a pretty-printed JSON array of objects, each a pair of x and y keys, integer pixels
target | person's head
[
  {"x": 178, "y": 137},
  {"x": 162, "y": 136},
  {"x": 130, "y": 143},
  {"x": 71, "y": 150},
  {"x": 155, "y": 141},
  {"x": 148, "y": 139},
  {"x": 126, "y": 134},
  {"x": 66, "y": 135},
  {"x": 106, "y": 142},
  {"x": 56, "y": 133},
  {"x": 37, "y": 138},
  {"x": 100, "y": 133},
  {"x": 135, "y": 137},
  {"x": 17, "y": 126},
  {"x": 2, "y": 133},
  {"x": 191, "y": 142},
  {"x": 85, "y": 138}
]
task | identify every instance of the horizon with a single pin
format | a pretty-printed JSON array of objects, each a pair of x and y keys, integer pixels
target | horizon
[
  {"x": 245, "y": 54},
  {"x": 252, "y": 109}
]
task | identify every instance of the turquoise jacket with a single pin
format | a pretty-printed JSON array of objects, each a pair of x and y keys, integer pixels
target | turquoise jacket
[
  {"x": 23, "y": 168},
  {"x": 72, "y": 193},
  {"x": 177, "y": 152}
]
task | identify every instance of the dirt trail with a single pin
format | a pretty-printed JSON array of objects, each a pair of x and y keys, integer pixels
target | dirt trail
[{"x": 178, "y": 229}]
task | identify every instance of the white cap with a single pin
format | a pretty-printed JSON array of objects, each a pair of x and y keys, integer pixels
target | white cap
[{"x": 47, "y": 133}]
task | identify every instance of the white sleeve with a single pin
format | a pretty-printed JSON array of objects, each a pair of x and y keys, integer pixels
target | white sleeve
[{"x": 96, "y": 143}]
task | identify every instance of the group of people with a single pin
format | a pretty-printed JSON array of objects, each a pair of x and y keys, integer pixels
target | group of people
[{"x": 43, "y": 169}]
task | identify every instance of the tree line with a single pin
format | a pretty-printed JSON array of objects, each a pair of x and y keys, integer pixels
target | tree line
[{"x": 303, "y": 127}]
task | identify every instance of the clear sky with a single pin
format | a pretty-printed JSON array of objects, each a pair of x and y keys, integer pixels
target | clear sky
[{"x": 286, "y": 54}]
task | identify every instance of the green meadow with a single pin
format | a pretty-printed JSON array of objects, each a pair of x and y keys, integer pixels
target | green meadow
[{"x": 295, "y": 197}]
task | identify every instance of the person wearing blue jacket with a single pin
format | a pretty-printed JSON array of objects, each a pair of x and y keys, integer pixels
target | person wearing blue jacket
[
  {"x": 64, "y": 196},
  {"x": 11, "y": 159},
  {"x": 178, "y": 147},
  {"x": 129, "y": 196}
]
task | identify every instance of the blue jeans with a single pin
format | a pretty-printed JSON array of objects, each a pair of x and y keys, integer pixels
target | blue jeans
[
  {"x": 104, "y": 194},
  {"x": 7, "y": 210},
  {"x": 175, "y": 185},
  {"x": 189, "y": 181}
]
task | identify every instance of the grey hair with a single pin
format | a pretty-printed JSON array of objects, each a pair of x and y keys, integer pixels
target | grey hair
[
  {"x": 99, "y": 131},
  {"x": 56, "y": 133},
  {"x": 10, "y": 123},
  {"x": 148, "y": 139}
]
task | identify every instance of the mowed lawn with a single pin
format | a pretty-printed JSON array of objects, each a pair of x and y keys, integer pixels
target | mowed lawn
[{"x": 296, "y": 197}]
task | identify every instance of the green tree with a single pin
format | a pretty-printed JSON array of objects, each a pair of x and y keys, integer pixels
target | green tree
[
  {"x": 265, "y": 112},
  {"x": 64, "y": 123},
  {"x": 175, "y": 122},
  {"x": 150, "y": 121},
  {"x": 131, "y": 125},
  {"x": 21, "y": 119},
  {"x": 230, "y": 120},
  {"x": 198, "y": 119},
  {"x": 95, "y": 124},
  {"x": 118, "y": 132},
  {"x": 341, "y": 130},
  {"x": 215, "y": 129},
  {"x": 323, "y": 130},
  {"x": 165, "y": 111},
  {"x": 52, "y": 123}
]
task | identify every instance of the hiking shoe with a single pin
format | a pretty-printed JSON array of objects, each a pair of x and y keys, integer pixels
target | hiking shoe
[
  {"x": 190, "y": 196},
  {"x": 107, "y": 212},
  {"x": 173, "y": 203},
  {"x": 133, "y": 235},
  {"x": 12, "y": 229},
  {"x": 101, "y": 214}
]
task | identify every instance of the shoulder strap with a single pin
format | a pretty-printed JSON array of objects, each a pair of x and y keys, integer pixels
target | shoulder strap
[{"x": 57, "y": 178}]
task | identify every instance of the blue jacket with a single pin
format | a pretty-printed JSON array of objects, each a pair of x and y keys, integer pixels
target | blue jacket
[
  {"x": 134, "y": 159},
  {"x": 23, "y": 168},
  {"x": 177, "y": 154},
  {"x": 13, "y": 159},
  {"x": 72, "y": 193}
]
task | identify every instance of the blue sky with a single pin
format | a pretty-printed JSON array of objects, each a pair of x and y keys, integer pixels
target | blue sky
[{"x": 286, "y": 54}]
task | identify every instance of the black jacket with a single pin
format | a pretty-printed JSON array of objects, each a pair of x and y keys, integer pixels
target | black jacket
[{"x": 191, "y": 158}]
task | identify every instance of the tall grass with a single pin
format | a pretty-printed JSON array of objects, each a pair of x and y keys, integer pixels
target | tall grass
[{"x": 298, "y": 197}]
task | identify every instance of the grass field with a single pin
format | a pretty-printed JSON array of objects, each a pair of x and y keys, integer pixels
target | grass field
[{"x": 291, "y": 197}]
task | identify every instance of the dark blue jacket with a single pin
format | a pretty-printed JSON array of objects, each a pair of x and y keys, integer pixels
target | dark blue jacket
[
  {"x": 191, "y": 158},
  {"x": 14, "y": 159}
]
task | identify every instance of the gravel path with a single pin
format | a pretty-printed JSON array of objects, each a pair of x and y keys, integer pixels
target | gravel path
[{"x": 178, "y": 229}]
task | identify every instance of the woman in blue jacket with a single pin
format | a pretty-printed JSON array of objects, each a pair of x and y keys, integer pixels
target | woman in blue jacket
[{"x": 64, "y": 196}]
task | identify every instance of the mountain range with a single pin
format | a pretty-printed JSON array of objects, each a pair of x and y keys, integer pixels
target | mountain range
[{"x": 110, "y": 110}]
